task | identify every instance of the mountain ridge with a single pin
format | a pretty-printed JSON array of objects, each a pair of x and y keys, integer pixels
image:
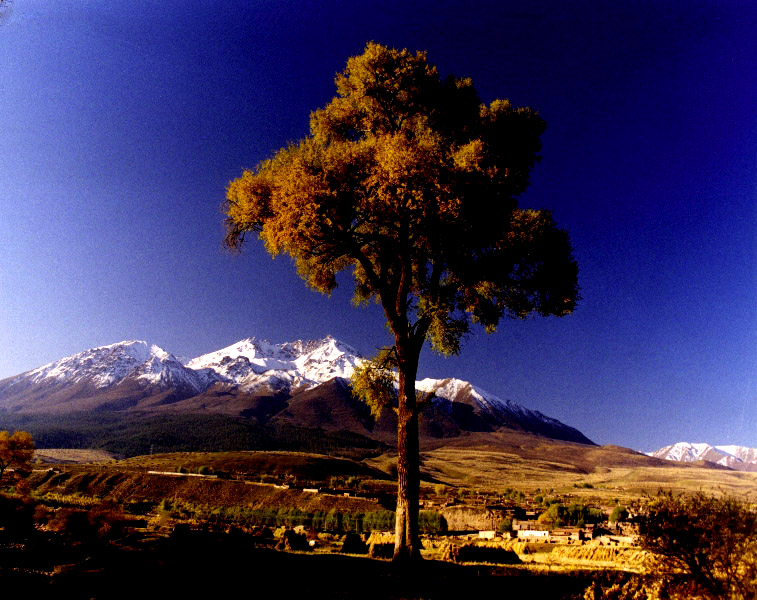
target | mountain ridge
[
  {"x": 256, "y": 379},
  {"x": 740, "y": 458}
]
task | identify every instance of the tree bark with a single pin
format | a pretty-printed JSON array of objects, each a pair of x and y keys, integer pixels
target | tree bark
[{"x": 407, "y": 544}]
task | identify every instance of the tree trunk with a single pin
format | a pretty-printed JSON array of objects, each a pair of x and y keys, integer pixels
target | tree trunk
[{"x": 407, "y": 544}]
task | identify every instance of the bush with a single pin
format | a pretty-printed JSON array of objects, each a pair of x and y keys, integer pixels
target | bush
[
  {"x": 430, "y": 521},
  {"x": 506, "y": 525},
  {"x": 293, "y": 541},
  {"x": 352, "y": 543},
  {"x": 619, "y": 513},
  {"x": 104, "y": 522},
  {"x": 706, "y": 546}
]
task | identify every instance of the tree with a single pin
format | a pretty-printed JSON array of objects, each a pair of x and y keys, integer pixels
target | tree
[
  {"x": 410, "y": 182},
  {"x": 707, "y": 546},
  {"x": 619, "y": 513},
  {"x": 16, "y": 452}
]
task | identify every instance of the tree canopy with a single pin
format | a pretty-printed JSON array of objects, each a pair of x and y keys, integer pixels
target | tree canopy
[
  {"x": 412, "y": 183},
  {"x": 16, "y": 452}
]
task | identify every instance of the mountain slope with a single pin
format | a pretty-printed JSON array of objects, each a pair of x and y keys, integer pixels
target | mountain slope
[
  {"x": 301, "y": 383},
  {"x": 482, "y": 411},
  {"x": 113, "y": 377}
]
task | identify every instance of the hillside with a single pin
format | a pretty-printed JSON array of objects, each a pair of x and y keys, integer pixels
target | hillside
[{"x": 251, "y": 395}]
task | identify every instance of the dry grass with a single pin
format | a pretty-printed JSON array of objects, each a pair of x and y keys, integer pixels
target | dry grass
[
  {"x": 604, "y": 472},
  {"x": 298, "y": 464},
  {"x": 73, "y": 456}
]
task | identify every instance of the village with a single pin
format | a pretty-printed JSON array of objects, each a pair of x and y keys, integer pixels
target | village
[{"x": 528, "y": 528}]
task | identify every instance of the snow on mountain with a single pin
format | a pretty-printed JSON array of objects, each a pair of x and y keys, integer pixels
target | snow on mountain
[
  {"x": 456, "y": 390},
  {"x": 735, "y": 457},
  {"x": 253, "y": 363},
  {"x": 106, "y": 366},
  {"x": 683, "y": 452},
  {"x": 450, "y": 394},
  {"x": 135, "y": 374},
  {"x": 742, "y": 453}
]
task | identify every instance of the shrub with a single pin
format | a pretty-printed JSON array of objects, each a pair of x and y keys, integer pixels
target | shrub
[
  {"x": 431, "y": 521},
  {"x": 619, "y": 513},
  {"x": 706, "y": 546},
  {"x": 506, "y": 525},
  {"x": 293, "y": 541},
  {"x": 16, "y": 513},
  {"x": 99, "y": 523},
  {"x": 353, "y": 544}
]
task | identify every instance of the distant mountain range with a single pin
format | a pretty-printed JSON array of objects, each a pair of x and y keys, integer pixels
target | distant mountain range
[
  {"x": 739, "y": 458},
  {"x": 301, "y": 383}
]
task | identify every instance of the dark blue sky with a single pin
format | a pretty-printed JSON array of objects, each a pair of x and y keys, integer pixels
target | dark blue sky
[{"x": 122, "y": 122}]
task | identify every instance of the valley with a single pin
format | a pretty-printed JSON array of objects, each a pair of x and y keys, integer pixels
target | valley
[
  {"x": 261, "y": 452},
  {"x": 224, "y": 513}
]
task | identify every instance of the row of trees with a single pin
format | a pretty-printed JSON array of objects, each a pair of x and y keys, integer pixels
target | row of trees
[
  {"x": 319, "y": 520},
  {"x": 576, "y": 514}
]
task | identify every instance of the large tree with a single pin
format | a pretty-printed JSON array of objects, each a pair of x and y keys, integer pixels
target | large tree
[{"x": 412, "y": 183}]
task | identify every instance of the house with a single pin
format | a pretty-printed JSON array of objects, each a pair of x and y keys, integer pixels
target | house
[{"x": 533, "y": 534}]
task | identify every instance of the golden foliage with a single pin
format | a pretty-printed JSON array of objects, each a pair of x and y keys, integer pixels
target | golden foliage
[
  {"x": 704, "y": 546},
  {"x": 373, "y": 382},
  {"x": 16, "y": 452},
  {"x": 412, "y": 183}
]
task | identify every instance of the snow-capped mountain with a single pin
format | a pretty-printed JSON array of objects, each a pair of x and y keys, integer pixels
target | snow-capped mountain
[
  {"x": 740, "y": 458},
  {"x": 106, "y": 366},
  {"x": 253, "y": 363},
  {"x": 494, "y": 410},
  {"x": 255, "y": 379}
]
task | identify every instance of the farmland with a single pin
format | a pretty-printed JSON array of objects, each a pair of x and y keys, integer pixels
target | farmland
[{"x": 212, "y": 512}]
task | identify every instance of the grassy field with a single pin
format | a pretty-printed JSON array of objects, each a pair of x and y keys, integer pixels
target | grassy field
[
  {"x": 516, "y": 461},
  {"x": 294, "y": 464},
  {"x": 73, "y": 456},
  {"x": 528, "y": 464}
]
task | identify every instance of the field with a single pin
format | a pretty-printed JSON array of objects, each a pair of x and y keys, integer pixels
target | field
[
  {"x": 529, "y": 463},
  {"x": 603, "y": 472},
  {"x": 225, "y": 514}
]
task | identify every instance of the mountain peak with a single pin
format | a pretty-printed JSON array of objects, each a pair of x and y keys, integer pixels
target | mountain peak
[
  {"x": 102, "y": 366},
  {"x": 740, "y": 458},
  {"x": 136, "y": 375},
  {"x": 252, "y": 362}
]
